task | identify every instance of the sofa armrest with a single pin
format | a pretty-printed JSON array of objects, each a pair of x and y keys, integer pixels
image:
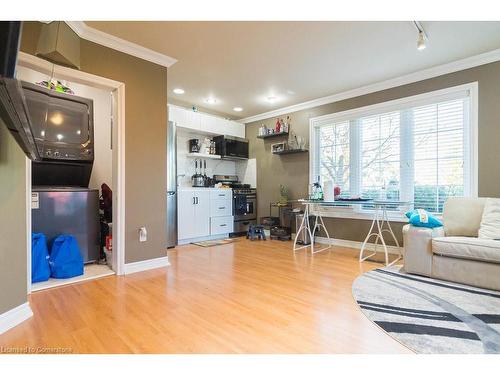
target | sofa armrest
[{"x": 418, "y": 248}]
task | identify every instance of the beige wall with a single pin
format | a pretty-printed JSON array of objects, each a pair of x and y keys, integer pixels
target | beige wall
[
  {"x": 293, "y": 170},
  {"x": 13, "y": 270},
  {"x": 145, "y": 139}
]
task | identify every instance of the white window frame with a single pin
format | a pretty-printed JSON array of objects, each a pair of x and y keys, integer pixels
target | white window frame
[{"x": 471, "y": 127}]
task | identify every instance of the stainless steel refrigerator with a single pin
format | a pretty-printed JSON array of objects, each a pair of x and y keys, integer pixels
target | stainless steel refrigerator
[
  {"x": 68, "y": 210},
  {"x": 171, "y": 185}
]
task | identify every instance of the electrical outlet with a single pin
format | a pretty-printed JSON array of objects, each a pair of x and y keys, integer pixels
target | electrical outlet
[{"x": 143, "y": 234}]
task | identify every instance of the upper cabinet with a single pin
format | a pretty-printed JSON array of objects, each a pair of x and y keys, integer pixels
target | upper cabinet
[{"x": 205, "y": 123}]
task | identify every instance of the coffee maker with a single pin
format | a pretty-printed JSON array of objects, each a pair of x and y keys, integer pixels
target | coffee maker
[{"x": 194, "y": 145}]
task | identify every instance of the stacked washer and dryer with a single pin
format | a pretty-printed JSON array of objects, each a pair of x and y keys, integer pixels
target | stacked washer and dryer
[{"x": 63, "y": 130}]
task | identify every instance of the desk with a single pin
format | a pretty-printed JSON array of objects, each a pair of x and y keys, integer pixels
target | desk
[{"x": 380, "y": 225}]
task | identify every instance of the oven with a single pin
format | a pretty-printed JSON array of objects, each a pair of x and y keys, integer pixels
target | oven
[
  {"x": 244, "y": 209},
  {"x": 244, "y": 204}
]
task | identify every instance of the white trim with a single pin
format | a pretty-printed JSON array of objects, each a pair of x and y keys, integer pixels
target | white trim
[
  {"x": 357, "y": 245},
  {"x": 93, "y": 35},
  {"x": 455, "y": 66},
  {"x": 55, "y": 283},
  {"x": 145, "y": 265},
  {"x": 69, "y": 74},
  {"x": 448, "y": 93},
  {"x": 119, "y": 231},
  {"x": 474, "y": 139},
  {"x": 15, "y": 316},
  {"x": 28, "y": 224}
]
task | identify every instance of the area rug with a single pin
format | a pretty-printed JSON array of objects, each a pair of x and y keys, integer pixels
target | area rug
[
  {"x": 429, "y": 315},
  {"x": 211, "y": 243}
]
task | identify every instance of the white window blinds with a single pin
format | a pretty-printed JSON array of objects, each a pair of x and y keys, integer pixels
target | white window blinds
[{"x": 415, "y": 150}]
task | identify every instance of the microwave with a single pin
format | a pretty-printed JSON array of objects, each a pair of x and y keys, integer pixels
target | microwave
[{"x": 231, "y": 147}]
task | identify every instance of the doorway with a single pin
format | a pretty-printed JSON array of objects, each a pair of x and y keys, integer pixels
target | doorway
[{"x": 116, "y": 137}]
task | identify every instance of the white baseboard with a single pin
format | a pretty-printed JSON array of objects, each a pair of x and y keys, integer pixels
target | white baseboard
[
  {"x": 357, "y": 245},
  {"x": 145, "y": 265},
  {"x": 17, "y": 315}
]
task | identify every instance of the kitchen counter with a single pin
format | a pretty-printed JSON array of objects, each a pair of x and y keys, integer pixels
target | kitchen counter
[{"x": 189, "y": 188}]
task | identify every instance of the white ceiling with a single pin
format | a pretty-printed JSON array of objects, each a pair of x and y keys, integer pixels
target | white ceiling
[{"x": 242, "y": 63}]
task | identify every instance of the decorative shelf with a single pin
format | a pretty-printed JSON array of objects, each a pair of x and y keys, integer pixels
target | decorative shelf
[
  {"x": 198, "y": 155},
  {"x": 272, "y": 135},
  {"x": 284, "y": 152}
]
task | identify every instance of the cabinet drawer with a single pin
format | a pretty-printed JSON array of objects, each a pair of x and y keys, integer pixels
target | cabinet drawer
[
  {"x": 221, "y": 207},
  {"x": 221, "y": 225},
  {"x": 221, "y": 194}
]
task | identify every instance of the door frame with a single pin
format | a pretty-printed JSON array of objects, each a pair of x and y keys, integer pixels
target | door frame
[{"x": 118, "y": 140}]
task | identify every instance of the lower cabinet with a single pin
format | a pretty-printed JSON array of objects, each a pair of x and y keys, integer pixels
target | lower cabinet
[
  {"x": 221, "y": 225},
  {"x": 193, "y": 218},
  {"x": 203, "y": 213}
]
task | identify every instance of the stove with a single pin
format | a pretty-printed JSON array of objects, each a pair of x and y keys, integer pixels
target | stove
[{"x": 244, "y": 203}]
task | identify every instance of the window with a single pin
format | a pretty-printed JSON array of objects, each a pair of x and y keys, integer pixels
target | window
[{"x": 419, "y": 149}]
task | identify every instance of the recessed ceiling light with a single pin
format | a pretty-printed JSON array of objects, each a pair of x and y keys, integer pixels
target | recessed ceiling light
[
  {"x": 237, "y": 109},
  {"x": 271, "y": 99},
  {"x": 178, "y": 91},
  {"x": 210, "y": 100}
]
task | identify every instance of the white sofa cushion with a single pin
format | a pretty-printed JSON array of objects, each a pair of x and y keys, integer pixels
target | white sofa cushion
[
  {"x": 490, "y": 223},
  {"x": 467, "y": 248},
  {"x": 462, "y": 216}
]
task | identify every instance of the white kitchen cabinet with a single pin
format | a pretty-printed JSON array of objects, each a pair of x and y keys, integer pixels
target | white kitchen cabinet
[
  {"x": 221, "y": 203},
  {"x": 203, "y": 213},
  {"x": 204, "y": 122},
  {"x": 193, "y": 214},
  {"x": 235, "y": 129},
  {"x": 184, "y": 118},
  {"x": 221, "y": 225}
]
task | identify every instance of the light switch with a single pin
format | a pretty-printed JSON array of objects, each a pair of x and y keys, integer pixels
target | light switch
[{"x": 143, "y": 234}]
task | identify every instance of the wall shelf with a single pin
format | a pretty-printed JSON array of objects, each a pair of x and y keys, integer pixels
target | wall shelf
[
  {"x": 284, "y": 152},
  {"x": 272, "y": 135},
  {"x": 198, "y": 155}
]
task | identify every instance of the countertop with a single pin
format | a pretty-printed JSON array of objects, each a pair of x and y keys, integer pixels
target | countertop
[{"x": 187, "y": 188}]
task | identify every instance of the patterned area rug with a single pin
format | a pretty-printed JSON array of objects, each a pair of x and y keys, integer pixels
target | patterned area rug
[
  {"x": 211, "y": 243},
  {"x": 429, "y": 315}
]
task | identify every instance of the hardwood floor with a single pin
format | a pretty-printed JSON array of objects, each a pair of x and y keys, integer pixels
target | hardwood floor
[{"x": 244, "y": 297}]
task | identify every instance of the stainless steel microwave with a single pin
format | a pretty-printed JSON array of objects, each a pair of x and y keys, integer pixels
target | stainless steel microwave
[{"x": 231, "y": 147}]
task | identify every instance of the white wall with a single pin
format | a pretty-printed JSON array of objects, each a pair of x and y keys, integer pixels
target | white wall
[
  {"x": 103, "y": 161},
  {"x": 247, "y": 172}
]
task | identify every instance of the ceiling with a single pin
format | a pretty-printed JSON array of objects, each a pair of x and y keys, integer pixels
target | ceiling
[{"x": 244, "y": 63}]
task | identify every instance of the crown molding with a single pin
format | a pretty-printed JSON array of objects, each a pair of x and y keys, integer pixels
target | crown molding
[
  {"x": 96, "y": 36},
  {"x": 455, "y": 66}
]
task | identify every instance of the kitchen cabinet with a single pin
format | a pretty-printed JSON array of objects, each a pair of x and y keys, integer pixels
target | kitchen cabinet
[
  {"x": 204, "y": 122},
  {"x": 221, "y": 225},
  {"x": 221, "y": 203},
  {"x": 184, "y": 118},
  {"x": 203, "y": 213},
  {"x": 193, "y": 218}
]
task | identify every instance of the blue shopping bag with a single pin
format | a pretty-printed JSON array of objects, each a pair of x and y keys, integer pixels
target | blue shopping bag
[
  {"x": 40, "y": 270},
  {"x": 65, "y": 258}
]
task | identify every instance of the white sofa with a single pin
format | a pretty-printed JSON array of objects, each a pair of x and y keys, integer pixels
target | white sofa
[{"x": 454, "y": 252}]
